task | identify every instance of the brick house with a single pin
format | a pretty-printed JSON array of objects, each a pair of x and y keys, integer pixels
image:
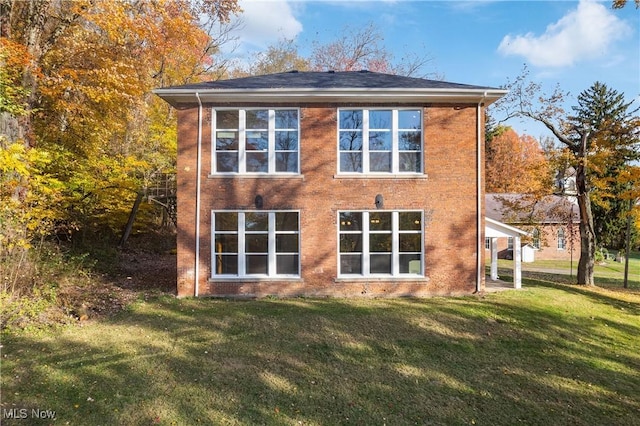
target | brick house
[
  {"x": 330, "y": 184},
  {"x": 553, "y": 224}
]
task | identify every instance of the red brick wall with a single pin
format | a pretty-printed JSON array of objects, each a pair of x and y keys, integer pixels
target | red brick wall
[{"x": 447, "y": 194}]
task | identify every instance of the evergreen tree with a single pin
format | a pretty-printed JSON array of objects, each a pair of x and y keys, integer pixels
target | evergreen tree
[{"x": 614, "y": 144}]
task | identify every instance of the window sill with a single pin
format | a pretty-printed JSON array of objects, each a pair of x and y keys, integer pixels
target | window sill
[
  {"x": 412, "y": 278},
  {"x": 254, "y": 176},
  {"x": 381, "y": 176},
  {"x": 243, "y": 280}
]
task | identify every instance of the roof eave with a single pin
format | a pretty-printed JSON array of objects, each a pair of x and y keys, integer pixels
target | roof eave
[{"x": 177, "y": 97}]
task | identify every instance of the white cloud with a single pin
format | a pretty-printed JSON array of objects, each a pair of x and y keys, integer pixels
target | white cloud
[
  {"x": 586, "y": 32},
  {"x": 266, "y": 22}
]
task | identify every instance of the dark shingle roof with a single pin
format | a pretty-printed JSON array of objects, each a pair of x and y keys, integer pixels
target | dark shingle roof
[
  {"x": 323, "y": 87},
  {"x": 521, "y": 209},
  {"x": 329, "y": 80}
]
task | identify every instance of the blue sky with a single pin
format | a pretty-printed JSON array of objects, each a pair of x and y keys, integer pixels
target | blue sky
[{"x": 481, "y": 42}]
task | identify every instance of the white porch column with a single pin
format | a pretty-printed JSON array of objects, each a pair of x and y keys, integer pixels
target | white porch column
[
  {"x": 517, "y": 265},
  {"x": 494, "y": 259}
]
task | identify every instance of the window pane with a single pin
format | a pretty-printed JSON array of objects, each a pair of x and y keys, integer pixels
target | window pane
[
  {"x": 380, "y": 162},
  {"x": 350, "y": 264},
  {"x": 257, "y": 141},
  {"x": 350, "y": 221},
  {"x": 410, "y": 221},
  {"x": 226, "y": 264},
  {"x": 350, "y": 141},
  {"x": 257, "y": 264},
  {"x": 287, "y": 162},
  {"x": 380, "y": 141},
  {"x": 226, "y": 141},
  {"x": 350, "y": 243},
  {"x": 410, "y": 264},
  {"x": 286, "y": 119},
  {"x": 227, "y": 162},
  {"x": 410, "y": 242},
  {"x": 409, "y": 141},
  {"x": 380, "y": 221},
  {"x": 351, "y": 119},
  {"x": 350, "y": 162},
  {"x": 287, "y": 264},
  {"x": 287, "y": 243},
  {"x": 411, "y": 119},
  {"x": 227, "y": 119},
  {"x": 379, "y": 243},
  {"x": 286, "y": 221},
  {"x": 257, "y": 221},
  {"x": 287, "y": 140},
  {"x": 256, "y": 243},
  {"x": 379, "y": 119},
  {"x": 380, "y": 264},
  {"x": 257, "y": 162},
  {"x": 257, "y": 119},
  {"x": 226, "y": 221},
  {"x": 410, "y": 161},
  {"x": 226, "y": 243}
]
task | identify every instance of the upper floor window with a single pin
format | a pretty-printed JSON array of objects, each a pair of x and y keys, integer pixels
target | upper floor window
[
  {"x": 380, "y": 140},
  {"x": 382, "y": 243},
  {"x": 256, "y": 244},
  {"x": 255, "y": 141}
]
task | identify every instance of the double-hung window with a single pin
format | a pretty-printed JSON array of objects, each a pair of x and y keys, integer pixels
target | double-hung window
[
  {"x": 562, "y": 242},
  {"x": 255, "y": 244},
  {"x": 255, "y": 141},
  {"x": 380, "y": 141},
  {"x": 381, "y": 243}
]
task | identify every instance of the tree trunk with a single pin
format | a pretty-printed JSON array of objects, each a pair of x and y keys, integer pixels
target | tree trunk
[
  {"x": 587, "y": 241},
  {"x": 587, "y": 232}
]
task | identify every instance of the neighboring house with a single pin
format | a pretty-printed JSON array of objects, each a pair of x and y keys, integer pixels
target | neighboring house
[
  {"x": 553, "y": 224},
  {"x": 330, "y": 184}
]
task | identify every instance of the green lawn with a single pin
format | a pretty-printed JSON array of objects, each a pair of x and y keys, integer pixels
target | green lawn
[{"x": 547, "y": 354}]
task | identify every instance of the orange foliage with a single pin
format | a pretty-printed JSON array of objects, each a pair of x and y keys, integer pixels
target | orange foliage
[{"x": 516, "y": 164}]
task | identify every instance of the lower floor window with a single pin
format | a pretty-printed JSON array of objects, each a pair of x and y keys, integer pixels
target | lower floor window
[
  {"x": 256, "y": 244},
  {"x": 380, "y": 243}
]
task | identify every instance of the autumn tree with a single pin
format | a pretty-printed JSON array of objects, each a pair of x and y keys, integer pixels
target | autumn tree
[
  {"x": 619, "y": 4},
  {"x": 280, "y": 57},
  {"x": 87, "y": 86},
  {"x": 515, "y": 163},
  {"x": 590, "y": 144}
]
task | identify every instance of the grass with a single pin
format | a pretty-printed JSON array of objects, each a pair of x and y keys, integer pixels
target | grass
[{"x": 547, "y": 354}]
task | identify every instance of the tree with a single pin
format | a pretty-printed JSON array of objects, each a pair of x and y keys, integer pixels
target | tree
[
  {"x": 281, "y": 57},
  {"x": 619, "y": 4},
  {"x": 363, "y": 48},
  {"x": 515, "y": 163},
  {"x": 590, "y": 144},
  {"x": 614, "y": 135},
  {"x": 87, "y": 92}
]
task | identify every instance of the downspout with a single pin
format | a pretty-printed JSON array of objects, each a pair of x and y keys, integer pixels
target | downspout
[
  {"x": 198, "y": 173},
  {"x": 479, "y": 242}
]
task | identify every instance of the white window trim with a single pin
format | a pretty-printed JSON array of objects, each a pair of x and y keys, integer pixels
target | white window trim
[
  {"x": 395, "y": 243},
  {"x": 242, "y": 135},
  {"x": 395, "y": 153},
  {"x": 241, "y": 232}
]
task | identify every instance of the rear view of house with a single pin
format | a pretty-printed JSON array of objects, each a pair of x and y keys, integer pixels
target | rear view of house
[{"x": 330, "y": 184}]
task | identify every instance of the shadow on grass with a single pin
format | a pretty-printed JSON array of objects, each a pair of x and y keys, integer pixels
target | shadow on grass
[{"x": 501, "y": 359}]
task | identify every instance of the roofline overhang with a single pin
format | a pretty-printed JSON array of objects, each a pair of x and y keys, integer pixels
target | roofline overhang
[
  {"x": 503, "y": 227},
  {"x": 177, "y": 96}
]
